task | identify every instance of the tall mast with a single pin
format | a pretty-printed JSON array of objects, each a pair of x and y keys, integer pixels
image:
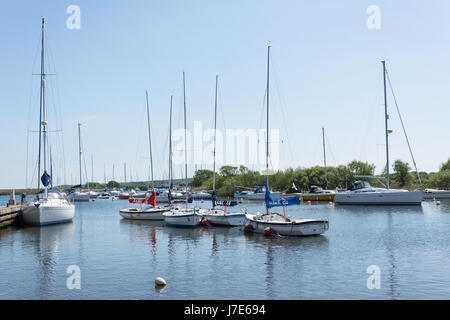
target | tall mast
[
  {"x": 92, "y": 168},
  {"x": 149, "y": 140},
  {"x": 185, "y": 136},
  {"x": 170, "y": 144},
  {"x": 215, "y": 132},
  {"x": 125, "y": 172},
  {"x": 79, "y": 150},
  {"x": 51, "y": 168},
  {"x": 42, "y": 114},
  {"x": 386, "y": 117},
  {"x": 324, "y": 155},
  {"x": 267, "y": 127}
]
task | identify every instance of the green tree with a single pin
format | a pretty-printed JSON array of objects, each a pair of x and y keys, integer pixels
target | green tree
[
  {"x": 229, "y": 171},
  {"x": 113, "y": 184},
  {"x": 445, "y": 166},
  {"x": 201, "y": 176},
  {"x": 401, "y": 173},
  {"x": 360, "y": 168}
]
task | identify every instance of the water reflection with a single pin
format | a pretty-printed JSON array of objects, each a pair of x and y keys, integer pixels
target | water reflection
[
  {"x": 359, "y": 209},
  {"x": 47, "y": 243}
]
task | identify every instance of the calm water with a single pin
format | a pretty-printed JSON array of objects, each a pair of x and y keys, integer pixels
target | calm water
[{"x": 120, "y": 259}]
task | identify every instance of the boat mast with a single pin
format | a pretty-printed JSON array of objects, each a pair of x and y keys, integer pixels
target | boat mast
[
  {"x": 386, "y": 117},
  {"x": 215, "y": 132},
  {"x": 170, "y": 144},
  {"x": 185, "y": 137},
  {"x": 324, "y": 155},
  {"x": 149, "y": 141},
  {"x": 42, "y": 112},
  {"x": 267, "y": 127},
  {"x": 79, "y": 150}
]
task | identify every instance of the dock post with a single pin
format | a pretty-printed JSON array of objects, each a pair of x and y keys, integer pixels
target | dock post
[{"x": 12, "y": 198}]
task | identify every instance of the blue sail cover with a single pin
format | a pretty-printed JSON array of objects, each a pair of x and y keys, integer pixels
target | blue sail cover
[
  {"x": 217, "y": 202},
  {"x": 169, "y": 196},
  {"x": 46, "y": 179},
  {"x": 272, "y": 202}
]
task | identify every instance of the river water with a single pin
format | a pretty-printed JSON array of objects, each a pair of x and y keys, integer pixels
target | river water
[{"x": 120, "y": 259}]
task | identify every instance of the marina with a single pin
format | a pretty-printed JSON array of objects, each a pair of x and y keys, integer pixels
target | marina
[
  {"x": 225, "y": 189},
  {"x": 120, "y": 258}
]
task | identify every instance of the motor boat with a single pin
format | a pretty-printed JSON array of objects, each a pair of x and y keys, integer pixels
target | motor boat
[
  {"x": 361, "y": 192},
  {"x": 104, "y": 195}
]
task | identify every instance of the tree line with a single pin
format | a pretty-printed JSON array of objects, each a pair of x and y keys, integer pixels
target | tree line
[{"x": 229, "y": 178}]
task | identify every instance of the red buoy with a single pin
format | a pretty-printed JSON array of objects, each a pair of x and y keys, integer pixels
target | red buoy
[
  {"x": 330, "y": 203},
  {"x": 309, "y": 202},
  {"x": 248, "y": 228},
  {"x": 205, "y": 222},
  {"x": 269, "y": 232}
]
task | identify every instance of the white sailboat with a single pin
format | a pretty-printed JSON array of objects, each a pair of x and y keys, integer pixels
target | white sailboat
[
  {"x": 151, "y": 212},
  {"x": 216, "y": 216},
  {"x": 178, "y": 216},
  {"x": 363, "y": 193},
  {"x": 77, "y": 194},
  {"x": 50, "y": 206},
  {"x": 271, "y": 223}
]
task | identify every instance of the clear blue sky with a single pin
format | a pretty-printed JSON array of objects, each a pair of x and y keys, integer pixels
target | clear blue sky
[{"x": 326, "y": 73}]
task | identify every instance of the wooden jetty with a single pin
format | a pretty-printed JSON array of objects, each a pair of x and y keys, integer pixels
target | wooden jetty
[{"x": 9, "y": 213}]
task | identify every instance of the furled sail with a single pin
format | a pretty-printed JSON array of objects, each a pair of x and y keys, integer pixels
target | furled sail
[
  {"x": 217, "y": 202},
  {"x": 272, "y": 202}
]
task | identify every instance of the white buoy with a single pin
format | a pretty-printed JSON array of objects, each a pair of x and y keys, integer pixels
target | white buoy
[
  {"x": 160, "y": 282},
  {"x": 438, "y": 203}
]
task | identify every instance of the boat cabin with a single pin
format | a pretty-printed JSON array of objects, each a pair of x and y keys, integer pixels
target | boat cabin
[{"x": 358, "y": 185}]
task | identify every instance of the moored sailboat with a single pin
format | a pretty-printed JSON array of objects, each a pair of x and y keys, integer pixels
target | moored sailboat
[
  {"x": 271, "y": 223},
  {"x": 151, "y": 212},
  {"x": 50, "y": 206},
  {"x": 363, "y": 193},
  {"x": 214, "y": 215},
  {"x": 178, "y": 216}
]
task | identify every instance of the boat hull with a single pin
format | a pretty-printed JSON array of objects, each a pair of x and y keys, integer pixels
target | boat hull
[
  {"x": 301, "y": 227},
  {"x": 317, "y": 197},
  {"x": 220, "y": 218},
  {"x": 77, "y": 196},
  {"x": 46, "y": 215},
  {"x": 380, "y": 198},
  {"x": 182, "y": 220},
  {"x": 137, "y": 214},
  {"x": 437, "y": 194}
]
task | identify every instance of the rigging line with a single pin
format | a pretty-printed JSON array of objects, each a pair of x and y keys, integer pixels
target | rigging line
[
  {"x": 329, "y": 148},
  {"x": 274, "y": 73},
  {"x": 403, "y": 127},
  {"x": 57, "y": 107}
]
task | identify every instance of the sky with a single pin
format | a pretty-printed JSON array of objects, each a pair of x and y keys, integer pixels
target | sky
[{"x": 325, "y": 71}]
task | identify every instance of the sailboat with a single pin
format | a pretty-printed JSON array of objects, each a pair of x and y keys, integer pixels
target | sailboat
[
  {"x": 271, "y": 223},
  {"x": 216, "y": 216},
  {"x": 361, "y": 192},
  {"x": 178, "y": 216},
  {"x": 151, "y": 212},
  {"x": 317, "y": 193},
  {"x": 50, "y": 206},
  {"x": 77, "y": 194}
]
